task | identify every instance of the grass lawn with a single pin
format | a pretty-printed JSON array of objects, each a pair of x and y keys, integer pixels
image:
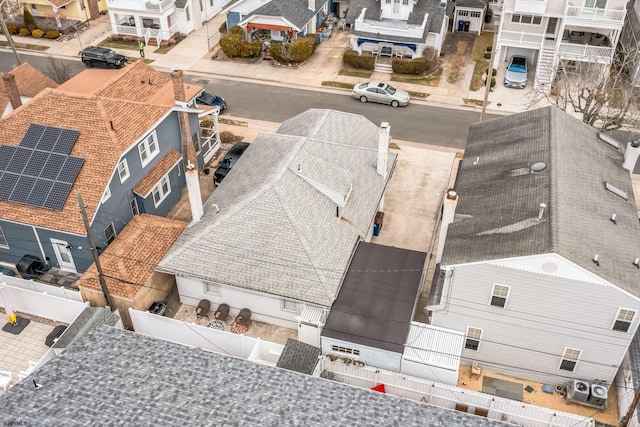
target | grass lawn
[
  {"x": 477, "y": 102},
  {"x": 477, "y": 54},
  {"x": 131, "y": 59},
  {"x": 417, "y": 94},
  {"x": 119, "y": 45},
  {"x": 24, "y": 46},
  {"x": 354, "y": 73},
  {"x": 432, "y": 79},
  {"x": 340, "y": 85}
]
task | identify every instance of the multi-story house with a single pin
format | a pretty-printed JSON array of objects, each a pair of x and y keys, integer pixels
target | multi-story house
[
  {"x": 630, "y": 41},
  {"x": 554, "y": 32},
  {"x": 115, "y": 138}
]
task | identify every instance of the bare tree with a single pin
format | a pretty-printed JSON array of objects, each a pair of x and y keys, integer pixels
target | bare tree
[
  {"x": 58, "y": 69},
  {"x": 603, "y": 94}
]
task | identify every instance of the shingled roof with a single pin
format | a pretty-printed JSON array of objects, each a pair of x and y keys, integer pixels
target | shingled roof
[
  {"x": 296, "y": 12},
  {"x": 30, "y": 82},
  {"x": 500, "y": 197}
]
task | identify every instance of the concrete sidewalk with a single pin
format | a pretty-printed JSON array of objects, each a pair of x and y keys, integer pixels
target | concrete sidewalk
[{"x": 193, "y": 55}]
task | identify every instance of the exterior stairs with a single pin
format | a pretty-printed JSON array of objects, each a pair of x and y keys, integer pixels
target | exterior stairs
[
  {"x": 383, "y": 64},
  {"x": 545, "y": 69}
]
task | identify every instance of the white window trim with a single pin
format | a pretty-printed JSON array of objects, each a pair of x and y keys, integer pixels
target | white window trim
[
  {"x": 133, "y": 202},
  {"x": 345, "y": 350},
  {"x": 115, "y": 234},
  {"x": 526, "y": 23},
  {"x": 467, "y": 337},
  {"x": 564, "y": 357},
  {"x": 493, "y": 294},
  {"x": 158, "y": 188},
  {"x": 145, "y": 143},
  {"x": 106, "y": 195},
  {"x": 4, "y": 244},
  {"x": 284, "y": 307},
  {"x": 617, "y": 318},
  {"x": 126, "y": 170},
  {"x": 205, "y": 286}
]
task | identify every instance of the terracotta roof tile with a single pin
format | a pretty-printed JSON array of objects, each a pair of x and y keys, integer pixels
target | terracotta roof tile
[
  {"x": 130, "y": 259},
  {"x": 163, "y": 167},
  {"x": 30, "y": 83}
]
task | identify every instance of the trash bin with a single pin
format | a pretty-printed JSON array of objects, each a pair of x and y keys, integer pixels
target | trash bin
[
  {"x": 158, "y": 308},
  {"x": 467, "y": 24},
  {"x": 460, "y": 26},
  {"x": 488, "y": 17},
  {"x": 377, "y": 223}
]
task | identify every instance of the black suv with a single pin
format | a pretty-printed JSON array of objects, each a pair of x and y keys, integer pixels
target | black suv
[
  {"x": 229, "y": 160},
  {"x": 102, "y": 57}
]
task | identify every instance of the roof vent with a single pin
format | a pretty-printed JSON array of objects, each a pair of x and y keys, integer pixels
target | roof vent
[
  {"x": 612, "y": 142},
  {"x": 615, "y": 190},
  {"x": 636, "y": 263},
  {"x": 595, "y": 260},
  {"x": 538, "y": 167},
  {"x": 613, "y": 218}
]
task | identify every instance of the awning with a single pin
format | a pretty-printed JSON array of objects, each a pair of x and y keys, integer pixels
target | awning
[{"x": 411, "y": 46}]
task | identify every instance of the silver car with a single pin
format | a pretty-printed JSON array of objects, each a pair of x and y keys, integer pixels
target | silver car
[
  {"x": 380, "y": 92},
  {"x": 516, "y": 75}
]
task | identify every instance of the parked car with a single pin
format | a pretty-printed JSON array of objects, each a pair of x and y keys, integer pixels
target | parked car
[
  {"x": 95, "y": 56},
  {"x": 380, "y": 92},
  {"x": 517, "y": 73},
  {"x": 211, "y": 100},
  {"x": 230, "y": 159}
]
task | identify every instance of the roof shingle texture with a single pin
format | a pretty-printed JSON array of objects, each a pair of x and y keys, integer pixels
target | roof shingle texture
[
  {"x": 30, "y": 82},
  {"x": 299, "y": 357},
  {"x": 116, "y": 377},
  {"x": 500, "y": 197},
  {"x": 295, "y": 11},
  {"x": 150, "y": 180},
  {"x": 129, "y": 262},
  {"x": 275, "y": 231}
]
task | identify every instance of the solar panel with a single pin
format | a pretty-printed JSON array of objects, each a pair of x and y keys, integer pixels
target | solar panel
[
  {"x": 19, "y": 160},
  {"x": 66, "y": 141},
  {"x": 70, "y": 171},
  {"x": 48, "y": 139},
  {"x": 6, "y": 152},
  {"x": 57, "y": 196},
  {"x": 7, "y": 183},
  {"x": 36, "y": 163},
  {"x": 22, "y": 189},
  {"x": 40, "y": 192},
  {"x": 32, "y": 136},
  {"x": 52, "y": 167}
]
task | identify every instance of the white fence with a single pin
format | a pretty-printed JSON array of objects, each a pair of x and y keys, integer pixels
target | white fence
[
  {"x": 447, "y": 396},
  {"x": 58, "y": 309},
  {"x": 205, "y": 338},
  {"x": 57, "y": 291}
]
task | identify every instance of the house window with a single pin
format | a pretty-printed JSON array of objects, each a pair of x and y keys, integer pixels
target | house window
[
  {"x": 474, "y": 14},
  {"x": 570, "y": 359},
  {"x": 110, "y": 233},
  {"x": 473, "y": 338},
  {"x": 288, "y": 305},
  {"x": 623, "y": 320},
  {"x": 405, "y": 2},
  {"x": 526, "y": 19},
  {"x": 134, "y": 207},
  {"x": 123, "y": 170},
  {"x": 463, "y": 13},
  {"x": 211, "y": 3},
  {"x": 499, "y": 295},
  {"x": 388, "y": 1},
  {"x": 211, "y": 288},
  {"x": 345, "y": 350},
  {"x": 187, "y": 13},
  {"x": 161, "y": 191},
  {"x": 106, "y": 195},
  {"x": 600, "y": 4},
  {"x": 3, "y": 240},
  {"x": 196, "y": 145},
  {"x": 148, "y": 149}
]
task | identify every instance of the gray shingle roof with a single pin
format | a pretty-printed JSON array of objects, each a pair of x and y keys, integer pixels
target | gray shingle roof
[
  {"x": 116, "y": 377},
  {"x": 478, "y": 4},
  {"x": 276, "y": 231},
  {"x": 376, "y": 300},
  {"x": 499, "y": 198},
  {"x": 90, "y": 318},
  {"x": 295, "y": 11},
  {"x": 299, "y": 357}
]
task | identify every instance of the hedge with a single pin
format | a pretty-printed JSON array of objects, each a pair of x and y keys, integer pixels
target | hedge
[
  {"x": 296, "y": 52},
  {"x": 355, "y": 60},
  {"x": 24, "y": 32},
  {"x": 52, "y": 34},
  {"x": 415, "y": 66},
  {"x": 233, "y": 45},
  {"x": 37, "y": 33},
  {"x": 12, "y": 29}
]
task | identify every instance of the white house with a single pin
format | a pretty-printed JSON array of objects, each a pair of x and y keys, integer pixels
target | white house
[
  {"x": 630, "y": 40},
  {"x": 540, "y": 266},
  {"x": 279, "y": 232},
  {"x": 469, "y": 16},
  {"x": 549, "y": 32}
]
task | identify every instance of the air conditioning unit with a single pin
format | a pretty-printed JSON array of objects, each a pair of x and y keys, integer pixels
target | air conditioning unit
[
  {"x": 578, "y": 391},
  {"x": 598, "y": 395}
]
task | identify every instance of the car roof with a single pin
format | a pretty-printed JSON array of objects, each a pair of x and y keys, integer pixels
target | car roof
[
  {"x": 96, "y": 49},
  {"x": 238, "y": 148}
]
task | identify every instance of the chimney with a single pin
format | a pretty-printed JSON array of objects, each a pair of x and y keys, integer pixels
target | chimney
[
  {"x": 12, "y": 90},
  {"x": 631, "y": 155},
  {"x": 448, "y": 213},
  {"x": 383, "y": 148},
  {"x": 311, "y": 4},
  {"x": 189, "y": 158}
]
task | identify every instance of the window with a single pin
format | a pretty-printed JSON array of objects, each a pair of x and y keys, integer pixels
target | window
[
  {"x": 106, "y": 195},
  {"x": 388, "y": 1},
  {"x": 123, "y": 170},
  {"x": 600, "y": 4},
  {"x": 473, "y": 339},
  {"x": 161, "y": 191},
  {"x": 405, "y": 2},
  {"x": 623, "y": 320},
  {"x": 148, "y": 149},
  {"x": 526, "y": 19},
  {"x": 474, "y": 14},
  {"x": 110, "y": 233},
  {"x": 570, "y": 359},
  {"x": 211, "y": 288},
  {"x": 134, "y": 207},
  {"x": 345, "y": 350},
  {"x": 196, "y": 145},
  {"x": 499, "y": 295},
  {"x": 187, "y": 13},
  {"x": 3, "y": 240},
  {"x": 463, "y": 13},
  {"x": 288, "y": 305}
]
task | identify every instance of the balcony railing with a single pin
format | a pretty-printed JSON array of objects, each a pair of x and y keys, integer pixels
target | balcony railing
[
  {"x": 141, "y": 5},
  {"x": 577, "y": 14},
  {"x": 585, "y": 53},
  {"x": 126, "y": 29},
  {"x": 520, "y": 38}
]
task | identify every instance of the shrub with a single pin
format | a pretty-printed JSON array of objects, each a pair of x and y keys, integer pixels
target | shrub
[
  {"x": 355, "y": 60},
  {"x": 231, "y": 45},
  {"x": 52, "y": 34},
  {"x": 172, "y": 42},
  {"x": 487, "y": 55},
  {"x": 429, "y": 53},
  {"x": 24, "y": 32},
  {"x": 296, "y": 52},
  {"x": 314, "y": 40},
  {"x": 222, "y": 29},
  {"x": 236, "y": 30},
  {"x": 12, "y": 29},
  {"x": 227, "y": 137},
  {"x": 493, "y": 72},
  {"x": 409, "y": 66},
  {"x": 37, "y": 33},
  {"x": 29, "y": 22},
  {"x": 493, "y": 82},
  {"x": 489, "y": 48}
]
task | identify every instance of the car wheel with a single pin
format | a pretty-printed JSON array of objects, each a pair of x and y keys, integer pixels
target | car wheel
[
  {"x": 112, "y": 66},
  {"x": 363, "y": 99},
  {"x": 87, "y": 64},
  {"x": 395, "y": 104}
]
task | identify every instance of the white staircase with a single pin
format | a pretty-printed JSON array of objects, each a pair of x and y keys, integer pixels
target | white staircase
[
  {"x": 546, "y": 69},
  {"x": 383, "y": 64}
]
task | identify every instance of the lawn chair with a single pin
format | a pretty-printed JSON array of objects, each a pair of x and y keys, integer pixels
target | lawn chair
[
  {"x": 222, "y": 312},
  {"x": 244, "y": 317},
  {"x": 203, "y": 308}
]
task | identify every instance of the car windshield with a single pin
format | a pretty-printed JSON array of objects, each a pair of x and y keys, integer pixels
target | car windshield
[
  {"x": 206, "y": 97},
  {"x": 109, "y": 54},
  {"x": 391, "y": 89},
  {"x": 518, "y": 65}
]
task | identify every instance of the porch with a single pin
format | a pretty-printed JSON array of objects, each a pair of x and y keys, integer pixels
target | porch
[
  {"x": 143, "y": 26},
  {"x": 586, "y": 46},
  {"x": 607, "y": 18},
  {"x": 142, "y": 5}
]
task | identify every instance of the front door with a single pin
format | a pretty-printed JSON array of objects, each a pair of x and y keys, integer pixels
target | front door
[
  {"x": 396, "y": 6},
  {"x": 63, "y": 255},
  {"x": 552, "y": 26}
]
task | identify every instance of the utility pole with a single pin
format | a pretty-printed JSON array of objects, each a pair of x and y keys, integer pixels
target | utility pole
[
  {"x": 632, "y": 408},
  {"x": 94, "y": 251},
  {"x": 487, "y": 83},
  {"x": 7, "y": 35}
]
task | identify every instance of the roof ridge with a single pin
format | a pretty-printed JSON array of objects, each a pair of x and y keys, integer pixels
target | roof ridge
[{"x": 554, "y": 225}]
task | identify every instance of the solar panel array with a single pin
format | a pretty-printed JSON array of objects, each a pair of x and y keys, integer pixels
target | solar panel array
[{"x": 40, "y": 172}]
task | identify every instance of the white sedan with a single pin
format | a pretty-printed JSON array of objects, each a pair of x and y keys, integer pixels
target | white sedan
[{"x": 380, "y": 92}]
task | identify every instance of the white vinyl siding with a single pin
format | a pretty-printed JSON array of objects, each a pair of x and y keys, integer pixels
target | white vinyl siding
[
  {"x": 3, "y": 240},
  {"x": 623, "y": 321},
  {"x": 211, "y": 288},
  {"x": 570, "y": 359},
  {"x": 148, "y": 149},
  {"x": 123, "y": 170},
  {"x": 499, "y": 295},
  {"x": 161, "y": 191},
  {"x": 472, "y": 342}
]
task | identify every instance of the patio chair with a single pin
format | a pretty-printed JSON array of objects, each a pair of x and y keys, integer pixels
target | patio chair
[
  {"x": 244, "y": 317},
  {"x": 222, "y": 312},
  {"x": 132, "y": 21},
  {"x": 203, "y": 307},
  {"x": 5, "y": 379}
]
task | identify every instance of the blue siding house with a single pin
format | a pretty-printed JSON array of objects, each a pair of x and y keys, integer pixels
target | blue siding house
[{"x": 122, "y": 138}]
